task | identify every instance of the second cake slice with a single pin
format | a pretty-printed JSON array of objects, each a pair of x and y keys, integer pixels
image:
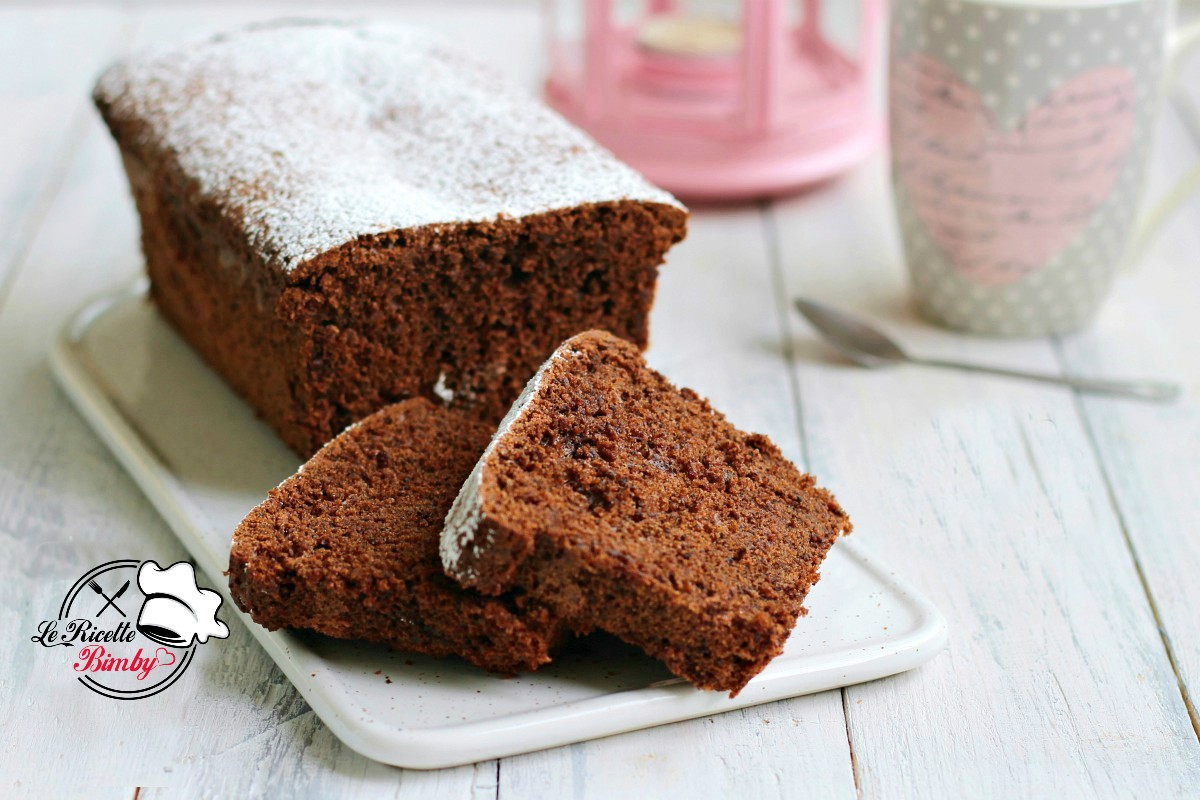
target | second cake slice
[{"x": 628, "y": 505}]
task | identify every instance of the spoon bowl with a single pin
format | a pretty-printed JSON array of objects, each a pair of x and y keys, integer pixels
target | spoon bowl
[{"x": 854, "y": 338}]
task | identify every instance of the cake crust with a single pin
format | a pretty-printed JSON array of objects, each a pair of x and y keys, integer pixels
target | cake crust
[
  {"x": 370, "y": 128},
  {"x": 348, "y": 547},
  {"x": 628, "y": 505}
]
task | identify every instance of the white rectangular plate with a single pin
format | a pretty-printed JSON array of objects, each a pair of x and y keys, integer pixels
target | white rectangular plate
[{"x": 204, "y": 460}]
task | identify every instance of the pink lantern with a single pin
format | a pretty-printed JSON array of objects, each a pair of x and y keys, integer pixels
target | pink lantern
[{"x": 719, "y": 100}]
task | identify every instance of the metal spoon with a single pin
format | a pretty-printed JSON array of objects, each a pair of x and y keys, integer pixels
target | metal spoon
[{"x": 870, "y": 347}]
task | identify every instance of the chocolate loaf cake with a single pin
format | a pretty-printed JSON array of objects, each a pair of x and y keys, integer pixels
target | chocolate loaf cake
[
  {"x": 340, "y": 216},
  {"x": 628, "y": 505},
  {"x": 348, "y": 547}
]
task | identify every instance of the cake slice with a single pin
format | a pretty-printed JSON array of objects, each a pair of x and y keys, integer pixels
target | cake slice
[
  {"x": 628, "y": 505},
  {"x": 348, "y": 547},
  {"x": 338, "y": 216}
]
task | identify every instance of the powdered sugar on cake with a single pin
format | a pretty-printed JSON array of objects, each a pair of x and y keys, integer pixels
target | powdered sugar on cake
[
  {"x": 309, "y": 135},
  {"x": 463, "y": 518}
]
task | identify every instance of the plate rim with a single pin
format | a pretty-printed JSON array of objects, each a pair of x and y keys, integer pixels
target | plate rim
[{"x": 468, "y": 742}]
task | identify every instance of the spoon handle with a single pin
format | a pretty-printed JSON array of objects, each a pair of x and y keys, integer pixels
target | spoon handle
[{"x": 1154, "y": 391}]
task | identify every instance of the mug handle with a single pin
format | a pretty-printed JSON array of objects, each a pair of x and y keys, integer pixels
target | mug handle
[{"x": 1181, "y": 42}]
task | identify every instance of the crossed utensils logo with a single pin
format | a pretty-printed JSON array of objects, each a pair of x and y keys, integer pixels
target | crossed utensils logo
[
  {"x": 111, "y": 601},
  {"x": 126, "y": 657}
]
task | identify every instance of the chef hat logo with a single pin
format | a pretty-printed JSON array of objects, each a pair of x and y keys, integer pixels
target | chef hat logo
[{"x": 176, "y": 610}]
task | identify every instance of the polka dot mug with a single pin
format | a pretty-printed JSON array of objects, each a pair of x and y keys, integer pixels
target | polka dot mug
[{"x": 1020, "y": 133}]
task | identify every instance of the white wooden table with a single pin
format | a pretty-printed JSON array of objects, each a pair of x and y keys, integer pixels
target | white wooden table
[{"x": 1059, "y": 534}]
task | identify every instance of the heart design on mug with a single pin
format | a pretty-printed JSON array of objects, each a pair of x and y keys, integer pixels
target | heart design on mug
[
  {"x": 164, "y": 657},
  {"x": 1001, "y": 204}
]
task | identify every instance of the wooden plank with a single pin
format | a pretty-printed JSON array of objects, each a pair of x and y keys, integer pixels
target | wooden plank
[
  {"x": 714, "y": 328},
  {"x": 1151, "y": 454},
  {"x": 48, "y": 59},
  {"x": 756, "y": 752},
  {"x": 986, "y": 492}
]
